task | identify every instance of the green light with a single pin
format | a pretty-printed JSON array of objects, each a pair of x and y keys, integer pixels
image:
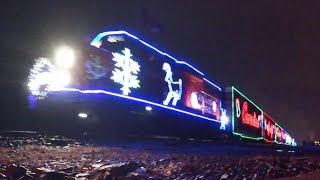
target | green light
[
  {"x": 247, "y": 137},
  {"x": 233, "y": 88},
  {"x": 281, "y": 135}
]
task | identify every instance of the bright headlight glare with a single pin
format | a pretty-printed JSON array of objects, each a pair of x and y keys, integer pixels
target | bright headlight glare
[
  {"x": 61, "y": 79},
  {"x": 83, "y": 115},
  {"x": 148, "y": 108},
  {"x": 65, "y": 57}
]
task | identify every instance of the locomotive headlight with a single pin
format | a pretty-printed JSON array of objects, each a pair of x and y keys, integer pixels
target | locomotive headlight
[
  {"x": 83, "y": 115},
  {"x": 64, "y": 57},
  {"x": 148, "y": 108}
]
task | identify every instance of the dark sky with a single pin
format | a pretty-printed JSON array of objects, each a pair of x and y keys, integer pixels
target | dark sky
[{"x": 268, "y": 49}]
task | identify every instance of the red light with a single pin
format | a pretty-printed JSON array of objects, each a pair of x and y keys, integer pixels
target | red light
[
  {"x": 278, "y": 133},
  {"x": 270, "y": 131},
  {"x": 249, "y": 119},
  {"x": 237, "y": 102}
]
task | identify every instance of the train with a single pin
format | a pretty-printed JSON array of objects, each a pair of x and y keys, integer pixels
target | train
[{"x": 119, "y": 83}]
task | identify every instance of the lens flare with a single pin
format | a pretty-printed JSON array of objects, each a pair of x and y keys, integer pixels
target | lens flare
[{"x": 65, "y": 57}]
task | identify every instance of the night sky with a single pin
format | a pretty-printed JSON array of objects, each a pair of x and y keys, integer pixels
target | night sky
[{"x": 268, "y": 49}]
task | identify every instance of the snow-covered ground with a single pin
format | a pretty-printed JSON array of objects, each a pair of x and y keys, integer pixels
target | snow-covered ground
[{"x": 31, "y": 156}]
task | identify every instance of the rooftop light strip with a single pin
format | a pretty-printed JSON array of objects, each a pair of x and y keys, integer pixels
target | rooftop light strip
[
  {"x": 284, "y": 130},
  {"x": 285, "y": 143},
  {"x": 281, "y": 128},
  {"x": 269, "y": 117},
  {"x": 101, "y": 35},
  {"x": 247, "y": 98},
  {"x": 212, "y": 84},
  {"x": 135, "y": 99}
]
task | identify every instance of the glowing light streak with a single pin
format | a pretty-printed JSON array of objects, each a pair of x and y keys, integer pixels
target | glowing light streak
[
  {"x": 101, "y": 35},
  {"x": 281, "y": 136},
  {"x": 97, "y": 43},
  {"x": 135, "y": 99},
  {"x": 212, "y": 84}
]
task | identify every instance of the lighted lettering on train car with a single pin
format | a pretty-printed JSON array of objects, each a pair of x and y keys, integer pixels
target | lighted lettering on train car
[
  {"x": 282, "y": 137},
  {"x": 269, "y": 129},
  {"x": 247, "y": 118}
]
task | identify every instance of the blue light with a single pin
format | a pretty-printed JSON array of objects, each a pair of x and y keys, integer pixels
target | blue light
[
  {"x": 135, "y": 99},
  {"x": 101, "y": 35},
  {"x": 212, "y": 84},
  {"x": 32, "y": 101}
]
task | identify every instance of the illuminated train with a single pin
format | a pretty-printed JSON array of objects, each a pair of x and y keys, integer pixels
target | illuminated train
[{"x": 133, "y": 86}]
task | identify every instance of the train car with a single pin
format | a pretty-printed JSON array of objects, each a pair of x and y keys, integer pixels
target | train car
[
  {"x": 125, "y": 84},
  {"x": 269, "y": 129},
  {"x": 246, "y": 116}
]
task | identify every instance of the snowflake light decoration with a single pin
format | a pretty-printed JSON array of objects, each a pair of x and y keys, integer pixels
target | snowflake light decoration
[
  {"x": 40, "y": 77},
  {"x": 45, "y": 77},
  {"x": 126, "y": 71}
]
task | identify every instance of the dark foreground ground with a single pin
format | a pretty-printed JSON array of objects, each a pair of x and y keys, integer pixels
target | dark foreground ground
[{"x": 34, "y": 156}]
